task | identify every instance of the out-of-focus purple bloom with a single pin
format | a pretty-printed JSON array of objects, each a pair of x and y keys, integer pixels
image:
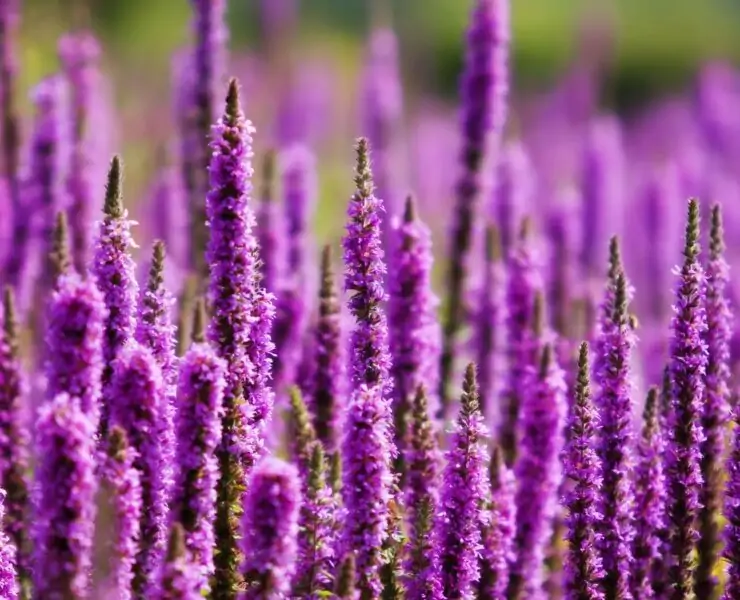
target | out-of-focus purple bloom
[
  {"x": 199, "y": 415},
  {"x": 179, "y": 578},
  {"x": 731, "y": 551},
  {"x": 329, "y": 375},
  {"x": 498, "y": 530},
  {"x": 457, "y": 527},
  {"x": 317, "y": 531},
  {"x": 650, "y": 499},
  {"x": 414, "y": 333},
  {"x": 614, "y": 343},
  {"x": 715, "y": 415},
  {"x": 382, "y": 106},
  {"x": 522, "y": 285},
  {"x": 688, "y": 366},
  {"x": 124, "y": 483},
  {"x": 515, "y": 185},
  {"x": 537, "y": 472},
  {"x": 270, "y": 228},
  {"x": 79, "y": 54},
  {"x": 168, "y": 215},
  {"x": 64, "y": 500},
  {"x": 363, "y": 279},
  {"x": 488, "y": 321},
  {"x": 140, "y": 407},
  {"x": 422, "y": 470},
  {"x": 13, "y": 436},
  {"x": 602, "y": 176},
  {"x": 8, "y": 575},
  {"x": 299, "y": 190},
  {"x": 583, "y": 469},
  {"x": 366, "y": 484},
  {"x": 484, "y": 89},
  {"x": 114, "y": 272},
  {"x": 208, "y": 64},
  {"x": 76, "y": 318},
  {"x": 270, "y": 526}
]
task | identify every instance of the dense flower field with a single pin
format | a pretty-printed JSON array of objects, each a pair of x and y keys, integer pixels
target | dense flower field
[{"x": 242, "y": 419}]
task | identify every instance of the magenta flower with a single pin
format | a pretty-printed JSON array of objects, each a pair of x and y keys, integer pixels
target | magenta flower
[
  {"x": 179, "y": 578},
  {"x": 8, "y": 575}
]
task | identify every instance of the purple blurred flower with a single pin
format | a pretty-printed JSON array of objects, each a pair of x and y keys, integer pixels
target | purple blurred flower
[
  {"x": 270, "y": 228},
  {"x": 64, "y": 500},
  {"x": 178, "y": 579},
  {"x": 270, "y": 526},
  {"x": 8, "y": 575}
]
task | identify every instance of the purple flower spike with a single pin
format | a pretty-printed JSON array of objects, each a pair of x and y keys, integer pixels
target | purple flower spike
[
  {"x": 114, "y": 271},
  {"x": 199, "y": 416},
  {"x": 364, "y": 273},
  {"x": 423, "y": 466},
  {"x": 271, "y": 529},
  {"x": 731, "y": 551},
  {"x": 614, "y": 344},
  {"x": 583, "y": 469},
  {"x": 488, "y": 321},
  {"x": 64, "y": 500},
  {"x": 8, "y": 575},
  {"x": 414, "y": 334},
  {"x": 269, "y": 230},
  {"x": 514, "y": 189},
  {"x": 76, "y": 322},
  {"x": 650, "y": 499},
  {"x": 329, "y": 375},
  {"x": 124, "y": 483},
  {"x": 316, "y": 538},
  {"x": 299, "y": 190},
  {"x": 140, "y": 406},
  {"x": 80, "y": 54},
  {"x": 716, "y": 407},
  {"x": 498, "y": 530},
  {"x": 179, "y": 578},
  {"x": 457, "y": 529},
  {"x": 13, "y": 436},
  {"x": 484, "y": 88},
  {"x": 366, "y": 485},
  {"x": 207, "y": 63},
  {"x": 688, "y": 366},
  {"x": 232, "y": 247},
  {"x": 523, "y": 283},
  {"x": 537, "y": 473}
]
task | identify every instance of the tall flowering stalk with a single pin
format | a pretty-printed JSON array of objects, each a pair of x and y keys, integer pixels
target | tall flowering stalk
[
  {"x": 457, "y": 529},
  {"x": 60, "y": 251},
  {"x": 232, "y": 263},
  {"x": 498, "y": 530},
  {"x": 537, "y": 472},
  {"x": 124, "y": 483},
  {"x": 688, "y": 364},
  {"x": 140, "y": 407},
  {"x": 488, "y": 320},
  {"x": 79, "y": 54},
  {"x": 8, "y": 575},
  {"x": 76, "y": 319},
  {"x": 317, "y": 527},
  {"x": 583, "y": 469},
  {"x": 178, "y": 579},
  {"x": 731, "y": 552},
  {"x": 366, "y": 485},
  {"x": 13, "y": 438},
  {"x": 715, "y": 415},
  {"x": 198, "y": 425},
  {"x": 64, "y": 500},
  {"x": 364, "y": 272},
  {"x": 302, "y": 434},
  {"x": 522, "y": 284},
  {"x": 484, "y": 88},
  {"x": 114, "y": 271},
  {"x": 414, "y": 335},
  {"x": 9, "y": 20},
  {"x": 650, "y": 500},
  {"x": 207, "y": 62},
  {"x": 329, "y": 374},
  {"x": 271, "y": 530},
  {"x": 614, "y": 343},
  {"x": 423, "y": 464},
  {"x": 269, "y": 230}
]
